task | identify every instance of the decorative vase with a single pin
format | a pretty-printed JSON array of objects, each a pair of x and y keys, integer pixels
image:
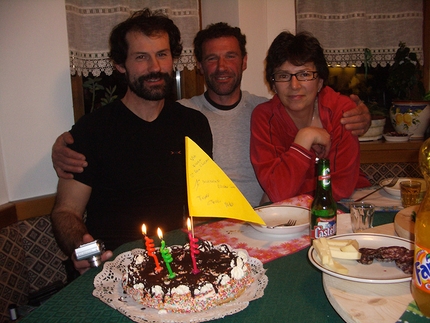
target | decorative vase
[
  {"x": 410, "y": 117},
  {"x": 376, "y": 129}
]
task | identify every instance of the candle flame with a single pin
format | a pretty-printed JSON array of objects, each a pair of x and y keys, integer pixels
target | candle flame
[
  {"x": 143, "y": 228},
  {"x": 189, "y": 224},
  {"x": 160, "y": 234}
]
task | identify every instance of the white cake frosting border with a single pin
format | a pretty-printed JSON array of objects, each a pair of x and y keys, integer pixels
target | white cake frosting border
[{"x": 108, "y": 288}]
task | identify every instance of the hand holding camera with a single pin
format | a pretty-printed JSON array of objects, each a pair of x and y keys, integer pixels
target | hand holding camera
[{"x": 91, "y": 251}]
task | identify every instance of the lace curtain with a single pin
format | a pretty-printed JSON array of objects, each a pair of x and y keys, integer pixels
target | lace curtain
[
  {"x": 346, "y": 28},
  {"x": 89, "y": 23}
]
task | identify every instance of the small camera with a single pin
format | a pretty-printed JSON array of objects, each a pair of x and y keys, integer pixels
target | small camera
[{"x": 91, "y": 251}]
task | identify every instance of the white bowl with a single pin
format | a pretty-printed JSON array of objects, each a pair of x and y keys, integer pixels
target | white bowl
[
  {"x": 274, "y": 215},
  {"x": 395, "y": 190},
  {"x": 375, "y": 131}
]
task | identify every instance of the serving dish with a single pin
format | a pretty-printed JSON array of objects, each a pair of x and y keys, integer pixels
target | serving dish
[
  {"x": 396, "y": 137},
  {"x": 377, "y": 272},
  {"x": 275, "y": 215},
  {"x": 395, "y": 190}
]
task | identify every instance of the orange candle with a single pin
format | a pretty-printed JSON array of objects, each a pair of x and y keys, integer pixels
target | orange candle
[{"x": 149, "y": 243}]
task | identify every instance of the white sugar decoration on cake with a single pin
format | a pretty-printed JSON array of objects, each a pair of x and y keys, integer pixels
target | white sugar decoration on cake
[{"x": 224, "y": 275}]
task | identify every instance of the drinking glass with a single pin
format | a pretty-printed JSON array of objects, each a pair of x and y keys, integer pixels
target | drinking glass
[
  {"x": 361, "y": 216},
  {"x": 410, "y": 192}
]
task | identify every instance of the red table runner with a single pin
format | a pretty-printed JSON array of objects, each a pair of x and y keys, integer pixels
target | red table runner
[{"x": 265, "y": 247}]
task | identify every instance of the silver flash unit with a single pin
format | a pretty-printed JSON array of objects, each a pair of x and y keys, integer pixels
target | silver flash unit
[{"x": 91, "y": 251}]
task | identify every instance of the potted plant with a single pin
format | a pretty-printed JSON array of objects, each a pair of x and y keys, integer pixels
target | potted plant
[
  {"x": 365, "y": 89},
  {"x": 410, "y": 113}
]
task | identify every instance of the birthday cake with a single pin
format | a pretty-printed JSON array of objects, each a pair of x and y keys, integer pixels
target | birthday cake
[{"x": 223, "y": 276}]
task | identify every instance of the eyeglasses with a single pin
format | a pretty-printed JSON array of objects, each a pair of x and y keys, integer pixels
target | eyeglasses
[{"x": 300, "y": 76}]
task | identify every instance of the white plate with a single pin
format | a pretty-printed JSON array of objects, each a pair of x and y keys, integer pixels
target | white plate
[
  {"x": 395, "y": 190},
  {"x": 108, "y": 288},
  {"x": 377, "y": 272},
  {"x": 273, "y": 215},
  {"x": 391, "y": 138},
  {"x": 369, "y": 138}
]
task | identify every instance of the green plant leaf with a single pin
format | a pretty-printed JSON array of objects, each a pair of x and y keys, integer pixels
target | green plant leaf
[{"x": 405, "y": 75}]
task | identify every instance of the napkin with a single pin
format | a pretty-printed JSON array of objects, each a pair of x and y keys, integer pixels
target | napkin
[
  {"x": 381, "y": 199},
  {"x": 265, "y": 247},
  {"x": 240, "y": 235}
]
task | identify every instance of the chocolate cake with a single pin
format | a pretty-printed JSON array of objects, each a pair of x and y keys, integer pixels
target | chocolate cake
[{"x": 223, "y": 276}]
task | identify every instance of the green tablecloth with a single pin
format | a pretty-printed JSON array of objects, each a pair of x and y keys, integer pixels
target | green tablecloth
[{"x": 294, "y": 293}]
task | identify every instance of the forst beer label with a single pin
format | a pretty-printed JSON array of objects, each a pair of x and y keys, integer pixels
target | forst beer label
[
  {"x": 422, "y": 269},
  {"x": 324, "y": 228}
]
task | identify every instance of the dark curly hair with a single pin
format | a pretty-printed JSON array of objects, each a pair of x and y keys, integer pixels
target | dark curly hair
[
  {"x": 298, "y": 50},
  {"x": 213, "y": 31},
  {"x": 148, "y": 23}
]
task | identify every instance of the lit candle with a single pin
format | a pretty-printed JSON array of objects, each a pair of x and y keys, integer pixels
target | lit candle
[
  {"x": 144, "y": 233},
  {"x": 193, "y": 247},
  {"x": 149, "y": 243},
  {"x": 165, "y": 253}
]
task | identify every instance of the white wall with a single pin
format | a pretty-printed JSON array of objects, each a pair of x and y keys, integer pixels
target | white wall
[
  {"x": 35, "y": 94},
  {"x": 35, "y": 90},
  {"x": 3, "y": 188},
  {"x": 261, "y": 21}
]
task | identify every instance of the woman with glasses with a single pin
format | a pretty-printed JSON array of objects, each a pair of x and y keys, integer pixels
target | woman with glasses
[{"x": 302, "y": 123}]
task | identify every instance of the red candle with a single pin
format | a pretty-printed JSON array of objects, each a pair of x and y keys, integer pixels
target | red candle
[
  {"x": 193, "y": 247},
  {"x": 149, "y": 243}
]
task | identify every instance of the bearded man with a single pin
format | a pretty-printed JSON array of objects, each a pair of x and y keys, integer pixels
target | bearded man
[{"x": 135, "y": 147}]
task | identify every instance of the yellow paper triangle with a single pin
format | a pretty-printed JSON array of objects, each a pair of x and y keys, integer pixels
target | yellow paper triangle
[{"x": 211, "y": 193}]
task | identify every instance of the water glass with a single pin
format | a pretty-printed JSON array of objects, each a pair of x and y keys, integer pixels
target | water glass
[
  {"x": 361, "y": 216},
  {"x": 410, "y": 192}
]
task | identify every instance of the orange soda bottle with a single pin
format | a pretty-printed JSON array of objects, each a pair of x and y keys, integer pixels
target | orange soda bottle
[{"x": 421, "y": 267}]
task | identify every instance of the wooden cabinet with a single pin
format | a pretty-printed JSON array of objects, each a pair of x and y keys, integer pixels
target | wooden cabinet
[{"x": 382, "y": 151}]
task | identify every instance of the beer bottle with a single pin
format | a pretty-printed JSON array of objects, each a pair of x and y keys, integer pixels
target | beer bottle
[
  {"x": 324, "y": 207},
  {"x": 420, "y": 278}
]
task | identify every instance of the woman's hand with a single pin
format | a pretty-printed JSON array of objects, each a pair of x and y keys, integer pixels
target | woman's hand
[{"x": 316, "y": 139}]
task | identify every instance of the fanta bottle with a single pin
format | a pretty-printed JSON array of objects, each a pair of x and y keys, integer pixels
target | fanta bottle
[{"x": 421, "y": 266}]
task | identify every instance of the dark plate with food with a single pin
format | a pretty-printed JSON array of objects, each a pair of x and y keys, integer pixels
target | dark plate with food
[{"x": 396, "y": 136}]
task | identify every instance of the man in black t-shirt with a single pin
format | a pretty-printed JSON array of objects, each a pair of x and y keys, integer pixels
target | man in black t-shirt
[{"x": 135, "y": 147}]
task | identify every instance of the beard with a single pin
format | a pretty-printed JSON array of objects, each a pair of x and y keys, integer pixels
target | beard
[
  {"x": 151, "y": 92},
  {"x": 224, "y": 88}
]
